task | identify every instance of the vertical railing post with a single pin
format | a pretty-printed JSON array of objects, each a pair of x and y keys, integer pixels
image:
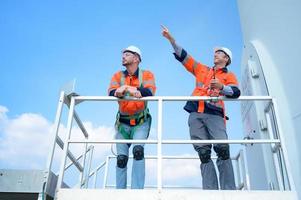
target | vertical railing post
[
  {"x": 82, "y": 174},
  {"x": 275, "y": 157},
  {"x": 283, "y": 147},
  {"x": 246, "y": 170},
  {"x": 106, "y": 173},
  {"x": 159, "y": 145},
  {"x": 66, "y": 145},
  {"x": 91, "y": 151},
  {"x": 55, "y": 134},
  {"x": 95, "y": 179},
  {"x": 238, "y": 169}
]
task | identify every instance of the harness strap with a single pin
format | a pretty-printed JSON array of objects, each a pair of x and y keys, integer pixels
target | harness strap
[
  {"x": 128, "y": 134},
  {"x": 139, "y": 119},
  {"x": 133, "y": 120},
  {"x": 140, "y": 76}
]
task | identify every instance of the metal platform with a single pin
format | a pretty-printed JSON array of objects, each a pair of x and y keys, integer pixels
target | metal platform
[
  {"x": 26, "y": 184},
  {"x": 172, "y": 194}
]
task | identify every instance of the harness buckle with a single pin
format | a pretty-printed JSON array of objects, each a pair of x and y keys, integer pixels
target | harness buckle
[{"x": 132, "y": 122}]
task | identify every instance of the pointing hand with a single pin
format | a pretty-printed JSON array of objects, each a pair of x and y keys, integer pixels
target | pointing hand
[{"x": 166, "y": 34}]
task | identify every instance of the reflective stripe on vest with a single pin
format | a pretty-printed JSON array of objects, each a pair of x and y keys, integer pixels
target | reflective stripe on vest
[
  {"x": 122, "y": 82},
  {"x": 206, "y": 85},
  {"x": 199, "y": 84},
  {"x": 140, "y": 76}
]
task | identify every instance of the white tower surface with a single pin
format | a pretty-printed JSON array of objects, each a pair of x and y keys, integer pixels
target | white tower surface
[{"x": 270, "y": 66}]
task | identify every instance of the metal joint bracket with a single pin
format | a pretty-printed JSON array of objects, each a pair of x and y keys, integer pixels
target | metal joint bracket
[
  {"x": 276, "y": 147},
  {"x": 263, "y": 125},
  {"x": 248, "y": 138}
]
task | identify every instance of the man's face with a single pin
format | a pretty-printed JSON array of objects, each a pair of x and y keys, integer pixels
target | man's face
[
  {"x": 128, "y": 58},
  {"x": 220, "y": 58}
]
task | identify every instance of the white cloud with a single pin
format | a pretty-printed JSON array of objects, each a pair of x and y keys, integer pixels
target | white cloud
[
  {"x": 180, "y": 169},
  {"x": 3, "y": 111},
  {"x": 176, "y": 170},
  {"x": 25, "y": 140},
  {"x": 25, "y": 144},
  {"x": 3, "y": 117}
]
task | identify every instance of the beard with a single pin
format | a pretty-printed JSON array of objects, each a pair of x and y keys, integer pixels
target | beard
[{"x": 126, "y": 63}]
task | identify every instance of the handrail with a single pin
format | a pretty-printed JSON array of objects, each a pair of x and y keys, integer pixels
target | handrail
[
  {"x": 236, "y": 158},
  {"x": 75, "y": 100},
  {"x": 228, "y": 141},
  {"x": 172, "y": 98}
]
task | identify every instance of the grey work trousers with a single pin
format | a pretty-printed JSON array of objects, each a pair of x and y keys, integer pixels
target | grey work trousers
[{"x": 204, "y": 126}]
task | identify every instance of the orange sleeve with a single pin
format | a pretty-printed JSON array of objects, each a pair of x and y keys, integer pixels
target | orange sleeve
[
  {"x": 231, "y": 80},
  {"x": 193, "y": 66},
  {"x": 115, "y": 82},
  {"x": 198, "y": 69},
  {"x": 149, "y": 81}
]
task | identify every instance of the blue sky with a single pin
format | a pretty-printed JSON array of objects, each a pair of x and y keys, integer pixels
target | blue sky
[{"x": 45, "y": 44}]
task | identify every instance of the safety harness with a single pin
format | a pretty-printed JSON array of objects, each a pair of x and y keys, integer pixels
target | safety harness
[{"x": 132, "y": 120}]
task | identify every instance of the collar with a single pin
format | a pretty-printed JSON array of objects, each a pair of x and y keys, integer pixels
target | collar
[
  {"x": 126, "y": 73},
  {"x": 224, "y": 69}
]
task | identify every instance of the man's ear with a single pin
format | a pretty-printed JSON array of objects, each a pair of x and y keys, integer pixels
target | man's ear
[
  {"x": 227, "y": 58},
  {"x": 137, "y": 58}
]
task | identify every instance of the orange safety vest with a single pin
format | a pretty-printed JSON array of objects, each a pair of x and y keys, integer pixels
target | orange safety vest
[
  {"x": 203, "y": 75},
  {"x": 123, "y": 78}
]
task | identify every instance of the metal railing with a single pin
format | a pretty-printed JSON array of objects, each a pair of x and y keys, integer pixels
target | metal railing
[
  {"x": 241, "y": 168},
  {"x": 72, "y": 100}
]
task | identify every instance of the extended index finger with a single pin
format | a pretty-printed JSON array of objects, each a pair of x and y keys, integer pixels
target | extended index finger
[{"x": 164, "y": 27}]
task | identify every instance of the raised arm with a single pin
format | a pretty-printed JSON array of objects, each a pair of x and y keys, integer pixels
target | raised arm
[
  {"x": 182, "y": 56},
  {"x": 170, "y": 38}
]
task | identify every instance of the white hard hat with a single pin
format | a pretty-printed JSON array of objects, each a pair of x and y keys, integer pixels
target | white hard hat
[
  {"x": 134, "y": 50},
  {"x": 226, "y": 50}
]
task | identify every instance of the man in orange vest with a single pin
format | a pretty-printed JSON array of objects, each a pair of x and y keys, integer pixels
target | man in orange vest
[
  {"x": 133, "y": 119},
  {"x": 207, "y": 119}
]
